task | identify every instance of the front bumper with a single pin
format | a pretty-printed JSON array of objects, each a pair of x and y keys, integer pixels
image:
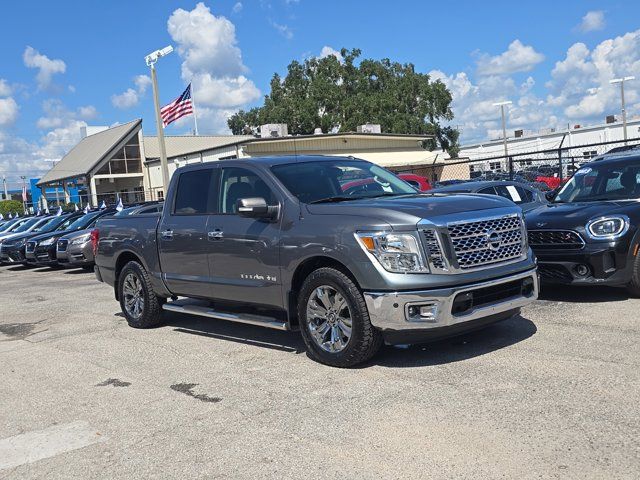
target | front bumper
[
  {"x": 11, "y": 254},
  {"x": 43, "y": 256},
  {"x": 452, "y": 310},
  {"x": 76, "y": 255},
  {"x": 606, "y": 264}
]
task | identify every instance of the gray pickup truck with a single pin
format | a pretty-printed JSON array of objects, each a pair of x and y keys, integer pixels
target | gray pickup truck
[{"x": 337, "y": 248}]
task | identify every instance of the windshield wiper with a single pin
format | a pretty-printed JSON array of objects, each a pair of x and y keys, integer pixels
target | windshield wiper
[{"x": 334, "y": 199}]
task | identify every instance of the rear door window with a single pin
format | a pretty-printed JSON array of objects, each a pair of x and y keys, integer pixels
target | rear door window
[{"x": 194, "y": 195}]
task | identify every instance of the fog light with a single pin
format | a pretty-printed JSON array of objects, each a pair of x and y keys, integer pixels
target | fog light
[
  {"x": 426, "y": 312},
  {"x": 527, "y": 287},
  {"x": 582, "y": 270}
]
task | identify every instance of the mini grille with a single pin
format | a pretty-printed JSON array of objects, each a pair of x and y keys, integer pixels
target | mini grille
[
  {"x": 62, "y": 245},
  {"x": 487, "y": 241},
  {"x": 555, "y": 239},
  {"x": 435, "y": 253},
  {"x": 31, "y": 247}
]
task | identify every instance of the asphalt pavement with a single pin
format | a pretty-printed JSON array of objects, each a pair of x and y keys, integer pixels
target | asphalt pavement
[{"x": 553, "y": 393}]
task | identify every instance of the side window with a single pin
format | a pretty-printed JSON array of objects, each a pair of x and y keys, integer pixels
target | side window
[
  {"x": 511, "y": 192},
  {"x": 414, "y": 184},
  {"x": 237, "y": 183},
  {"x": 488, "y": 191},
  {"x": 194, "y": 193},
  {"x": 526, "y": 195}
]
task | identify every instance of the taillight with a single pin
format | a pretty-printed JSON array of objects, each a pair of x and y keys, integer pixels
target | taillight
[{"x": 95, "y": 237}]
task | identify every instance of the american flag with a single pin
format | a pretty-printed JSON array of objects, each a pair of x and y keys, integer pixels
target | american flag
[{"x": 180, "y": 107}]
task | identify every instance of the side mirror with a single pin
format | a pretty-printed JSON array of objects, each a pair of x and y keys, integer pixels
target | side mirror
[
  {"x": 255, "y": 207},
  {"x": 551, "y": 195}
]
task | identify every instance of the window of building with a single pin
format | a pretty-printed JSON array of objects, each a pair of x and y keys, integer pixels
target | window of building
[
  {"x": 125, "y": 160},
  {"x": 589, "y": 154},
  {"x": 229, "y": 157},
  {"x": 495, "y": 166}
]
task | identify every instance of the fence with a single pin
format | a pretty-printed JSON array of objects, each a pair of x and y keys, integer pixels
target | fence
[{"x": 526, "y": 166}]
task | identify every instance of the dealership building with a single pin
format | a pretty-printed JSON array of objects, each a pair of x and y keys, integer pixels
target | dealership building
[{"x": 121, "y": 162}]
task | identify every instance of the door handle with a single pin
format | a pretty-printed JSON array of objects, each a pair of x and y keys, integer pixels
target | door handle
[
  {"x": 167, "y": 234},
  {"x": 217, "y": 234}
]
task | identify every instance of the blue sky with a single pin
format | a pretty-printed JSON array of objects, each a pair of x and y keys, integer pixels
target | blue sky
[{"x": 66, "y": 64}]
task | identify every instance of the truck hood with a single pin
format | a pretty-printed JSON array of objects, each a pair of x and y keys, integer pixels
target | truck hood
[
  {"x": 407, "y": 210},
  {"x": 575, "y": 215},
  {"x": 76, "y": 233}
]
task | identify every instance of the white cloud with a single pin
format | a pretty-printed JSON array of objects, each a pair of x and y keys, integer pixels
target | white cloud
[
  {"x": 212, "y": 61},
  {"x": 517, "y": 58},
  {"x": 592, "y": 21},
  {"x": 5, "y": 88},
  {"x": 206, "y": 43},
  {"x": 578, "y": 91},
  {"x": 237, "y": 8},
  {"x": 8, "y": 111},
  {"x": 131, "y": 97},
  {"x": 57, "y": 115},
  {"x": 327, "y": 51},
  {"x": 283, "y": 30},
  {"x": 47, "y": 68}
]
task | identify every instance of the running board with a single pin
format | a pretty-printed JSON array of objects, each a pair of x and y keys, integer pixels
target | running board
[{"x": 206, "y": 311}]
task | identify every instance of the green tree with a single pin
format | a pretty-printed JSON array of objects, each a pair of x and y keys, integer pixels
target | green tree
[
  {"x": 337, "y": 96},
  {"x": 11, "y": 207}
]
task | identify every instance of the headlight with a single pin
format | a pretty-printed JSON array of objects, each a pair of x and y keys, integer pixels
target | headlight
[
  {"x": 48, "y": 241},
  {"x": 81, "y": 239},
  {"x": 396, "y": 252},
  {"x": 608, "y": 228}
]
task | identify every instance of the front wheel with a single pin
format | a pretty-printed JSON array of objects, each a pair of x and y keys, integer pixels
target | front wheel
[
  {"x": 334, "y": 320},
  {"x": 139, "y": 303},
  {"x": 633, "y": 287}
]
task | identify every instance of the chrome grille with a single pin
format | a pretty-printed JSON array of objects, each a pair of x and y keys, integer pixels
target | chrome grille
[
  {"x": 560, "y": 239},
  {"x": 31, "y": 247},
  {"x": 484, "y": 242},
  {"x": 433, "y": 249}
]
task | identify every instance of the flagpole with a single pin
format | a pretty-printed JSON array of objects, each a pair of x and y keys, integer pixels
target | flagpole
[{"x": 193, "y": 104}]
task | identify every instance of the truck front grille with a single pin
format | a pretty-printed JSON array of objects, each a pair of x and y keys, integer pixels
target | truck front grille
[
  {"x": 433, "y": 249},
  {"x": 485, "y": 242},
  {"x": 555, "y": 239}
]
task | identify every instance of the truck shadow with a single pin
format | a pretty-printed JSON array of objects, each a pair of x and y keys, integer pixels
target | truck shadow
[
  {"x": 455, "y": 349},
  {"x": 448, "y": 350},
  {"x": 235, "y": 332},
  {"x": 588, "y": 294}
]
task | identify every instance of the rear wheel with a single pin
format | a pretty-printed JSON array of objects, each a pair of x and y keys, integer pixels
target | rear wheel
[
  {"x": 334, "y": 320},
  {"x": 139, "y": 303},
  {"x": 633, "y": 287}
]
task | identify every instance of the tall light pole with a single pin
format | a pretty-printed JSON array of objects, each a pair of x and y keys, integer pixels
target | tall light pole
[
  {"x": 151, "y": 60},
  {"x": 4, "y": 184},
  {"x": 624, "y": 110},
  {"x": 24, "y": 193},
  {"x": 504, "y": 126}
]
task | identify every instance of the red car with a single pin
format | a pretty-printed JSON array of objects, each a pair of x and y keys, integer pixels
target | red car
[{"x": 416, "y": 181}]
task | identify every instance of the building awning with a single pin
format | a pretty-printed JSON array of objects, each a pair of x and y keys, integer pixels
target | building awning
[{"x": 89, "y": 152}]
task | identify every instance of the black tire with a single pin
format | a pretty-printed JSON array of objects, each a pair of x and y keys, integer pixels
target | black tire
[
  {"x": 633, "y": 287},
  {"x": 365, "y": 340},
  {"x": 151, "y": 311}
]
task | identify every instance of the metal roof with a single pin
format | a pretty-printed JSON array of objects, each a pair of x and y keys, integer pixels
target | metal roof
[
  {"x": 178, "y": 146},
  {"x": 89, "y": 152}
]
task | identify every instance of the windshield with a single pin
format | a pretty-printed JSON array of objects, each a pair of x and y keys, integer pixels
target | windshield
[
  {"x": 82, "y": 222},
  {"x": 607, "y": 181},
  {"x": 339, "y": 180},
  {"x": 43, "y": 226},
  {"x": 53, "y": 224},
  {"x": 15, "y": 225},
  {"x": 27, "y": 225}
]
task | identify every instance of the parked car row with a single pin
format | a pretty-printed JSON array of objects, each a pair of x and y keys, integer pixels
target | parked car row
[{"x": 57, "y": 240}]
